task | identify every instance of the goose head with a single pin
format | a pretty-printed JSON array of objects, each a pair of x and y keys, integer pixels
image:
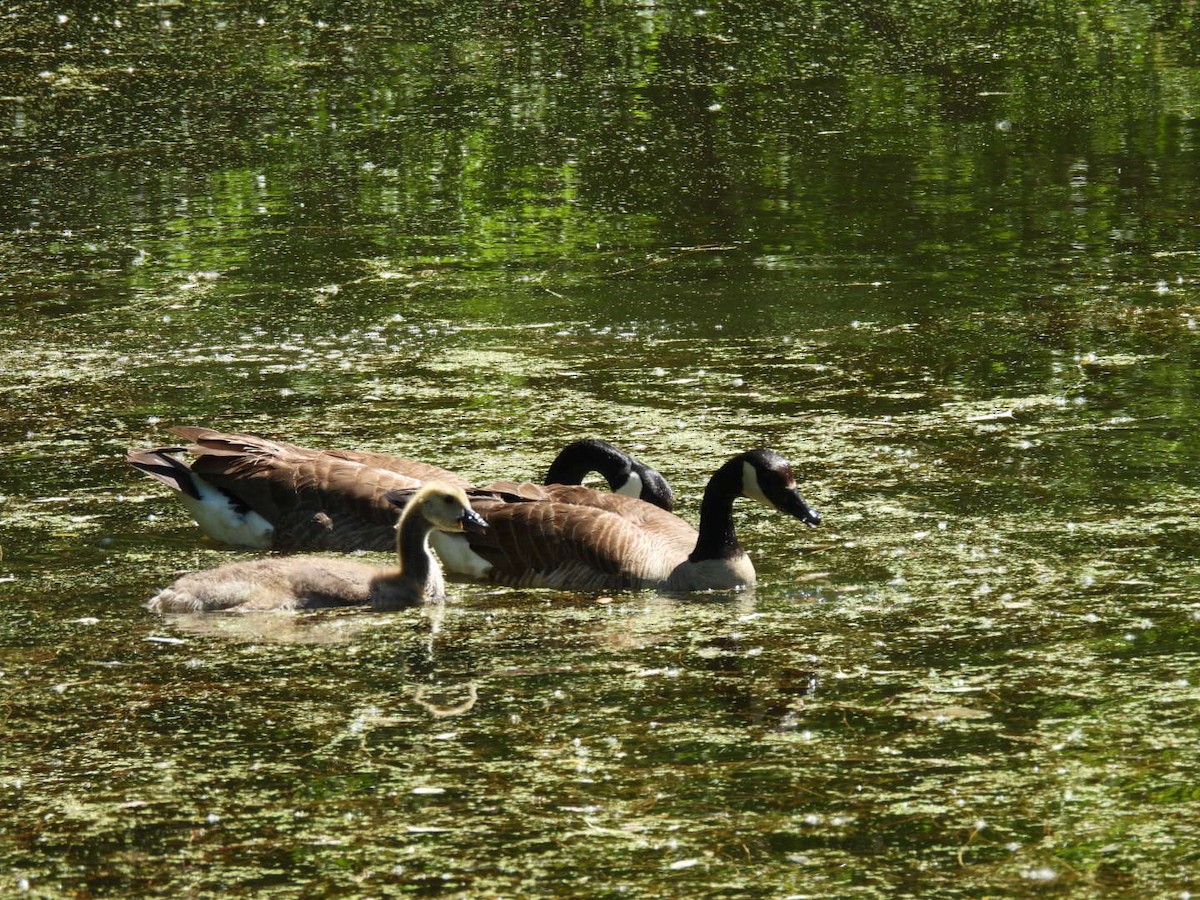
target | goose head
[
  {"x": 647, "y": 484},
  {"x": 624, "y": 474},
  {"x": 767, "y": 478}
]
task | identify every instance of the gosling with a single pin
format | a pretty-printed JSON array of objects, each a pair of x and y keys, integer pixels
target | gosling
[{"x": 316, "y": 582}]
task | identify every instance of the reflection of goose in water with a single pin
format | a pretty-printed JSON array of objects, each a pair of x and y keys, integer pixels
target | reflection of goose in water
[
  {"x": 620, "y": 543},
  {"x": 252, "y": 492},
  {"x": 422, "y": 696},
  {"x": 325, "y": 626},
  {"x": 312, "y": 582}
]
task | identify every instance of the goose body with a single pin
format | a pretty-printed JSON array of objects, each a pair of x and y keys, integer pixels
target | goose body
[
  {"x": 301, "y": 582},
  {"x": 256, "y": 493},
  {"x": 621, "y": 543}
]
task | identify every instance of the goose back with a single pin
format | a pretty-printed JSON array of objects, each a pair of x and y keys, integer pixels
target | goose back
[
  {"x": 313, "y": 503},
  {"x": 207, "y": 441},
  {"x": 618, "y": 543}
]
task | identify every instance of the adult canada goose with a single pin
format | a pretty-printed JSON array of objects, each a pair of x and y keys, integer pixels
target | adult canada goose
[
  {"x": 624, "y": 473},
  {"x": 312, "y": 582},
  {"x": 622, "y": 543},
  {"x": 252, "y": 492}
]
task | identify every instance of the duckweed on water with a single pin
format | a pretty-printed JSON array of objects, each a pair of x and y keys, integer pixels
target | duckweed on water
[{"x": 943, "y": 267}]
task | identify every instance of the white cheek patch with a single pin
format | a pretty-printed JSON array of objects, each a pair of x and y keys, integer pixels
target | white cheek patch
[
  {"x": 217, "y": 517},
  {"x": 632, "y": 486},
  {"x": 456, "y": 554},
  {"x": 750, "y": 486}
]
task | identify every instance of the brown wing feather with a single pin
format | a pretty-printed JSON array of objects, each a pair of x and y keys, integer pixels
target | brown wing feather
[
  {"x": 548, "y": 543},
  {"x": 413, "y": 468},
  {"x": 315, "y": 502},
  {"x": 632, "y": 509},
  {"x": 211, "y": 441},
  {"x": 524, "y": 489}
]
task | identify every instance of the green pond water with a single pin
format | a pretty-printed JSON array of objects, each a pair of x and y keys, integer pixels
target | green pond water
[{"x": 945, "y": 259}]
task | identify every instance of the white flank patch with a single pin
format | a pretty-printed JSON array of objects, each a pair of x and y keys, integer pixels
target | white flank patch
[
  {"x": 456, "y": 554},
  {"x": 216, "y": 515}
]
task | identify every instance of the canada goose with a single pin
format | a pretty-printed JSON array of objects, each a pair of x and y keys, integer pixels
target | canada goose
[
  {"x": 622, "y": 543},
  {"x": 624, "y": 473},
  {"x": 312, "y": 582},
  {"x": 252, "y": 492}
]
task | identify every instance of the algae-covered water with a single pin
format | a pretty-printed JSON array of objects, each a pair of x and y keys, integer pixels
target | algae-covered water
[{"x": 944, "y": 261}]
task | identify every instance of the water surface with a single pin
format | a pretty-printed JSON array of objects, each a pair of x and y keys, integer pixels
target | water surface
[{"x": 945, "y": 262}]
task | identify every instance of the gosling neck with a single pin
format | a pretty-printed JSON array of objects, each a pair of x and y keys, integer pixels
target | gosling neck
[
  {"x": 717, "y": 539},
  {"x": 412, "y": 547}
]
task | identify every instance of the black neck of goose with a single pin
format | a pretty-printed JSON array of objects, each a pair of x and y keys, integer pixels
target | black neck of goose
[
  {"x": 412, "y": 552},
  {"x": 578, "y": 459},
  {"x": 717, "y": 538}
]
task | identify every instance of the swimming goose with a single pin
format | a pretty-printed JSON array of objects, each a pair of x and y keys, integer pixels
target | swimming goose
[
  {"x": 313, "y": 582},
  {"x": 251, "y": 492},
  {"x": 624, "y": 473},
  {"x": 620, "y": 543}
]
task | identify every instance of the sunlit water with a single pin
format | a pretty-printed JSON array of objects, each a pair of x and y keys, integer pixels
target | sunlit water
[{"x": 970, "y": 326}]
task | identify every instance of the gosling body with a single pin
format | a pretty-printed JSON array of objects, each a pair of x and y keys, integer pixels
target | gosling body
[{"x": 311, "y": 582}]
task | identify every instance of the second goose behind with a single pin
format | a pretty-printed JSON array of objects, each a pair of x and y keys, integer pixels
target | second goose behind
[{"x": 252, "y": 492}]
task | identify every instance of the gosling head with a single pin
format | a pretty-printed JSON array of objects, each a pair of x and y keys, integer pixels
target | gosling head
[
  {"x": 768, "y": 478},
  {"x": 443, "y": 506}
]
